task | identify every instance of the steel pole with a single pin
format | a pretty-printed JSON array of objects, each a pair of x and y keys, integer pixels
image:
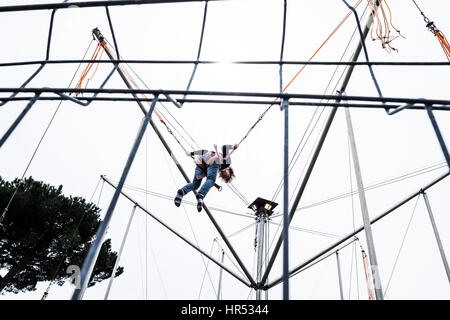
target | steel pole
[
  {"x": 364, "y": 209},
  {"x": 338, "y": 261},
  {"x": 116, "y": 265},
  {"x": 89, "y": 262},
  {"x": 259, "y": 265},
  {"x": 286, "y": 219},
  {"x": 436, "y": 234}
]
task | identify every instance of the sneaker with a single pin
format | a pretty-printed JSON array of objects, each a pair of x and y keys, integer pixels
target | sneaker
[
  {"x": 179, "y": 197},
  {"x": 200, "y": 201}
]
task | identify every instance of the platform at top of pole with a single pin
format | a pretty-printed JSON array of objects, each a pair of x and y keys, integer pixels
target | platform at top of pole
[{"x": 262, "y": 206}]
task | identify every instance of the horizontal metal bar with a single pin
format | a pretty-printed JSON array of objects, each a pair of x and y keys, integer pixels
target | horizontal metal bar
[
  {"x": 325, "y": 251},
  {"x": 320, "y": 63},
  {"x": 228, "y": 93},
  {"x": 223, "y": 101},
  {"x": 87, "y": 4}
]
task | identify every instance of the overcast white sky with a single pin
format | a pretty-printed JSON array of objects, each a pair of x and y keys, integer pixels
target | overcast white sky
[{"x": 85, "y": 142}]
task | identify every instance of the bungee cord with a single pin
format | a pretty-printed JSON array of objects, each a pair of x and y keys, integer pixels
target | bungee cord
[
  {"x": 438, "y": 33},
  {"x": 382, "y": 25}
]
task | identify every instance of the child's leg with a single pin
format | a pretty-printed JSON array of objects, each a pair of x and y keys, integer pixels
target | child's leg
[
  {"x": 194, "y": 185},
  {"x": 211, "y": 176},
  {"x": 209, "y": 183}
]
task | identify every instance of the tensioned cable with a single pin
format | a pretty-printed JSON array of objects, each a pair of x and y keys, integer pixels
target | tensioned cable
[
  {"x": 401, "y": 246},
  {"x": 206, "y": 271},
  {"x": 375, "y": 186},
  {"x": 238, "y": 193},
  {"x": 138, "y": 234},
  {"x": 169, "y": 130},
  {"x": 40, "y": 141},
  {"x": 379, "y": 184},
  {"x": 324, "y": 270},
  {"x": 163, "y": 105},
  {"x": 240, "y": 230},
  {"x": 168, "y": 197},
  {"x": 167, "y": 110},
  {"x": 158, "y": 270},
  {"x": 315, "y": 232}
]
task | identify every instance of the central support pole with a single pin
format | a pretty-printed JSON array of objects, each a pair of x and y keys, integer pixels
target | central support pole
[
  {"x": 263, "y": 210},
  {"x": 89, "y": 262},
  {"x": 261, "y": 221},
  {"x": 364, "y": 209}
]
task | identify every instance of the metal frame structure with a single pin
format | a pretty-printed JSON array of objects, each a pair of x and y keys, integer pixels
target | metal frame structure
[{"x": 392, "y": 105}]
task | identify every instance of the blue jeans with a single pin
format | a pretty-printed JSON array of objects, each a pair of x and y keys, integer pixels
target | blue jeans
[{"x": 211, "y": 175}]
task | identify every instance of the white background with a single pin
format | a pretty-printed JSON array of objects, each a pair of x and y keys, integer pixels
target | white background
[{"x": 85, "y": 142}]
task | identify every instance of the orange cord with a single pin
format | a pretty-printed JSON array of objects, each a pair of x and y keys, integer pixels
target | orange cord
[
  {"x": 382, "y": 25},
  {"x": 444, "y": 43},
  {"x": 86, "y": 70},
  {"x": 326, "y": 40}
]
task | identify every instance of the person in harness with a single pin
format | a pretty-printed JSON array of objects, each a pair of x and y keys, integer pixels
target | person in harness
[{"x": 208, "y": 164}]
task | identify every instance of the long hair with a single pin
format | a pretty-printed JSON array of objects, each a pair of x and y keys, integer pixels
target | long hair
[{"x": 230, "y": 177}]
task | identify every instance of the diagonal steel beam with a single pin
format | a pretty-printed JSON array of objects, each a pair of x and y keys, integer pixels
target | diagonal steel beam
[
  {"x": 354, "y": 233},
  {"x": 221, "y": 265}
]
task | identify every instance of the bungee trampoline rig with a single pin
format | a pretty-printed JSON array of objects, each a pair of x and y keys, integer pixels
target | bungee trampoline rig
[{"x": 378, "y": 26}]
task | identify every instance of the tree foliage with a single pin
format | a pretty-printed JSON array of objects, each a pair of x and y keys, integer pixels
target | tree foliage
[{"x": 44, "y": 232}]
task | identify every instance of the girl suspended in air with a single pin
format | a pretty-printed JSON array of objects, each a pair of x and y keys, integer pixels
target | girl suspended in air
[{"x": 208, "y": 164}]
